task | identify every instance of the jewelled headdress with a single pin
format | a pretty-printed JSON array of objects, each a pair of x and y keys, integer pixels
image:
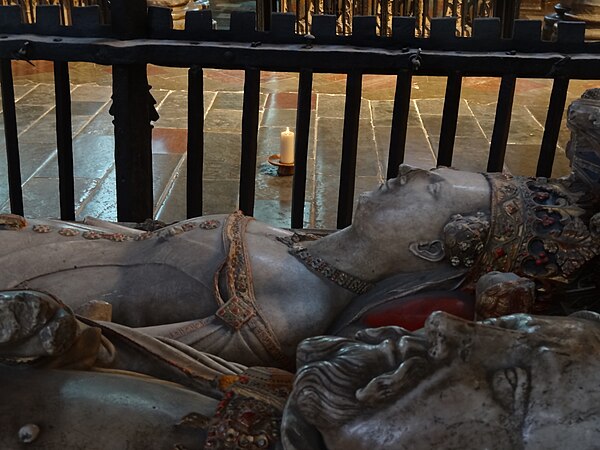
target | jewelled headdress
[{"x": 536, "y": 229}]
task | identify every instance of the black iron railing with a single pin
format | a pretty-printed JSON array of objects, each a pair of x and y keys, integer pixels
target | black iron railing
[
  {"x": 138, "y": 36},
  {"x": 465, "y": 11}
]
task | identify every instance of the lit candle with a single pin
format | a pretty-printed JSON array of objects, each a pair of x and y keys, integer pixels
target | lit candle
[{"x": 286, "y": 148}]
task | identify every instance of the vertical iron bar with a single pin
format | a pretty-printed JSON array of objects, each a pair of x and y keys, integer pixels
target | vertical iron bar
[
  {"x": 10, "y": 136},
  {"x": 131, "y": 109},
  {"x": 449, "y": 119},
  {"x": 301, "y": 147},
  {"x": 349, "y": 148},
  {"x": 506, "y": 95},
  {"x": 129, "y": 18},
  {"x": 64, "y": 140},
  {"x": 195, "y": 141},
  {"x": 249, "y": 140},
  {"x": 399, "y": 123},
  {"x": 264, "y": 8},
  {"x": 556, "y": 108}
]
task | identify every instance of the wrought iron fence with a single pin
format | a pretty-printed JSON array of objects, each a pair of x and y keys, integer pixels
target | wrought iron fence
[
  {"x": 384, "y": 10},
  {"x": 139, "y": 35},
  {"x": 28, "y": 8},
  {"x": 465, "y": 11}
]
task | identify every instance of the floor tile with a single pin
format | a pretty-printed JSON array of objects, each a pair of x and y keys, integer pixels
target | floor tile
[
  {"x": 102, "y": 202},
  {"x": 333, "y": 106},
  {"x": 382, "y": 111},
  {"x": 279, "y": 118},
  {"x": 229, "y": 100},
  {"x": 43, "y": 94},
  {"x": 43, "y": 131},
  {"x": 278, "y": 213},
  {"x": 91, "y": 92},
  {"x": 33, "y": 156},
  {"x": 93, "y": 156},
  {"x": 222, "y": 155},
  {"x": 172, "y": 110},
  {"x": 101, "y": 124},
  {"x": 23, "y": 68},
  {"x": 225, "y": 120},
  {"x": 86, "y": 108},
  {"x": 40, "y": 195},
  {"x": 287, "y": 100},
  {"x": 169, "y": 140},
  {"x": 271, "y": 186},
  {"x": 28, "y": 114},
  {"x": 417, "y": 151},
  {"x": 470, "y": 154},
  {"x": 164, "y": 169}
]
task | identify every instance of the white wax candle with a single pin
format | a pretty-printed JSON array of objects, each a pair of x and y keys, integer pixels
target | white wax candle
[{"x": 286, "y": 147}]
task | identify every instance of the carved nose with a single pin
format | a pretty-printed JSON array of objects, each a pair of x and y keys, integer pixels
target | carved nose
[{"x": 405, "y": 169}]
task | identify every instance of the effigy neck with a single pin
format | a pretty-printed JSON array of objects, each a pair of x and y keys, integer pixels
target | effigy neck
[{"x": 364, "y": 257}]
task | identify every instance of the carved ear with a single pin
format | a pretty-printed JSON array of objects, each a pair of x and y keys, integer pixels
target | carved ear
[{"x": 430, "y": 251}]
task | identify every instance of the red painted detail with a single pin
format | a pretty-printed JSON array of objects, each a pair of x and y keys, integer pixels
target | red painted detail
[
  {"x": 411, "y": 312},
  {"x": 247, "y": 418}
]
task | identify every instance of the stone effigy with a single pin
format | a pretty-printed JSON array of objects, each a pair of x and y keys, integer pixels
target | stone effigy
[
  {"x": 231, "y": 286},
  {"x": 518, "y": 381},
  {"x": 204, "y": 302}
]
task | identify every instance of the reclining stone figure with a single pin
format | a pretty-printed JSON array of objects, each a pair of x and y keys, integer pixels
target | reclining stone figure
[
  {"x": 197, "y": 302},
  {"x": 518, "y": 381},
  {"x": 515, "y": 382},
  {"x": 237, "y": 288}
]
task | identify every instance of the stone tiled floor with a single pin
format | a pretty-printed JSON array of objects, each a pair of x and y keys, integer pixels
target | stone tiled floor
[{"x": 93, "y": 140}]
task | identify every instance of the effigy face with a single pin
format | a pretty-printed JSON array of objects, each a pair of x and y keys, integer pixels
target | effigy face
[
  {"x": 408, "y": 213},
  {"x": 514, "y": 382}
]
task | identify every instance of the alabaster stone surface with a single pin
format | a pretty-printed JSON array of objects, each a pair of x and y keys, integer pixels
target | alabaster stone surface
[
  {"x": 517, "y": 381},
  {"x": 514, "y": 382},
  {"x": 218, "y": 305},
  {"x": 164, "y": 281}
]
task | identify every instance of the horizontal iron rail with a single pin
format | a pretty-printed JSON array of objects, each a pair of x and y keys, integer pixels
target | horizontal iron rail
[{"x": 293, "y": 58}]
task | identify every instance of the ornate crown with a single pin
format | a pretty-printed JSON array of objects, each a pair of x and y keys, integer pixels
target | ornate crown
[{"x": 536, "y": 229}]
